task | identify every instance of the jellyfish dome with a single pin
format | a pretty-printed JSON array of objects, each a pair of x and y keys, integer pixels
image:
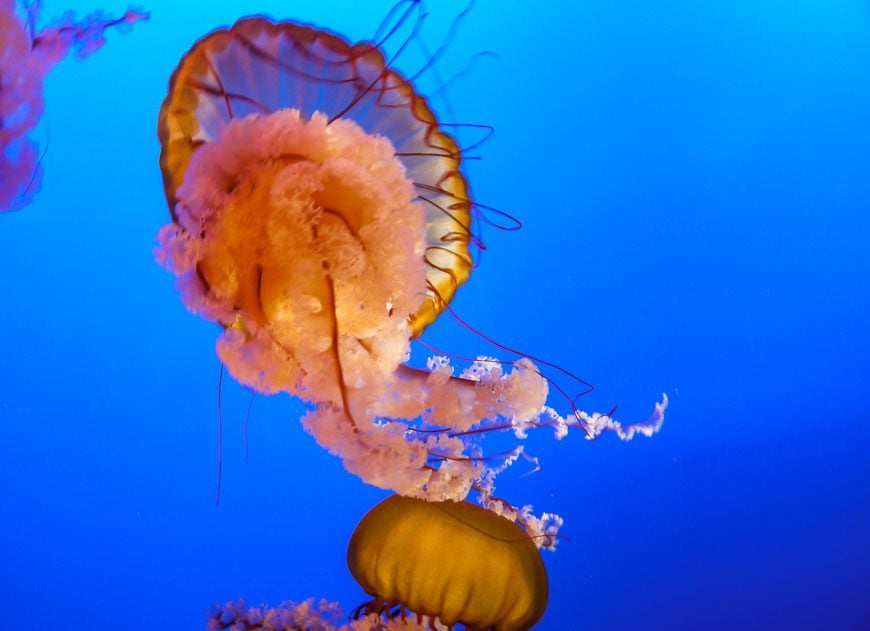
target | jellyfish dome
[
  {"x": 26, "y": 57},
  {"x": 451, "y": 561},
  {"x": 321, "y": 217}
]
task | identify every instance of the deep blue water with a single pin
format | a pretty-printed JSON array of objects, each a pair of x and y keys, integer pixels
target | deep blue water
[{"x": 693, "y": 182}]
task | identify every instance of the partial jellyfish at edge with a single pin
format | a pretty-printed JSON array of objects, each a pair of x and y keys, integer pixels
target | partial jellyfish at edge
[{"x": 27, "y": 54}]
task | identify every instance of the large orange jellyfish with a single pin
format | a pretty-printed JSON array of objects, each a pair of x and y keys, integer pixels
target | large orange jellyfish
[
  {"x": 26, "y": 56},
  {"x": 426, "y": 565},
  {"x": 321, "y": 216}
]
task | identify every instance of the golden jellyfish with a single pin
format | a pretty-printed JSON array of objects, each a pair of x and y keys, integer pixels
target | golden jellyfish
[
  {"x": 451, "y": 561},
  {"x": 321, "y": 216},
  {"x": 27, "y": 54}
]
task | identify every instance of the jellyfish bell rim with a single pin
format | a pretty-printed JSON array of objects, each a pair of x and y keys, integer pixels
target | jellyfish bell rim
[{"x": 445, "y": 192}]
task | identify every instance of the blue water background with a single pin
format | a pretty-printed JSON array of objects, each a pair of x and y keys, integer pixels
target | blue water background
[{"x": 693, "y": 182}]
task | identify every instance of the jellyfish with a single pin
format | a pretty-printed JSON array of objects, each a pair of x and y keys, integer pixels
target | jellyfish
[
  {"x": 426, "y": 565},
  {"x": 26, "y": 57},
  {"x": 321, "y": 216},
  {"x": 453, "y": 561}
]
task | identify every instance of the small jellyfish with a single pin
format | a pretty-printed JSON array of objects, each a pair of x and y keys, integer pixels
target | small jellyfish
[
  {"x": 26, "y": 57},
  {"x": 451, "y": 561}
]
